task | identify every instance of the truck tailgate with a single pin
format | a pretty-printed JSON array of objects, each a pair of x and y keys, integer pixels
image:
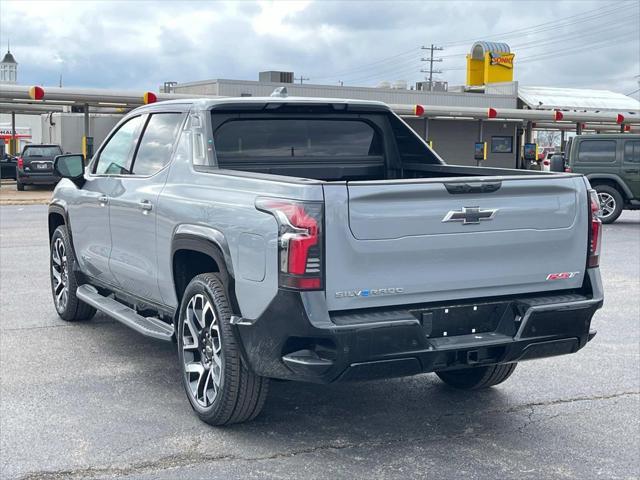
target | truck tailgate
[{"x": 404, "y": 242}]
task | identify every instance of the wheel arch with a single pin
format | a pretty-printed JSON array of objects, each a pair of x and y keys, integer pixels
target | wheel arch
[
  {"x": 611, "y": 180},
  {"x": 196, "y": 249},
  {"x": 57, "y": 216}
]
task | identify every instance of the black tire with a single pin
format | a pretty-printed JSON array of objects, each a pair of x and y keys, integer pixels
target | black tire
[
  {"x": 19, "y": 186},
  {"x": 239, "y": 394},
  {"x": 476, "y": 378},
  {"x": 611, "y": 203},
  {"x": 72, "y": 309}
]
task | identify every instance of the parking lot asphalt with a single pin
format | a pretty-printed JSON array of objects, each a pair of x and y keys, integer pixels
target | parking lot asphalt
[{"x": 97, "y": 400}]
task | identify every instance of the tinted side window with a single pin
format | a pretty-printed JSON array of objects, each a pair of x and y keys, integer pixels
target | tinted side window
[
  {"x": 296, "y": 138},
  {"x": 632, "y": 152},
  {"x": 157, "y": 143},
  {"x": 597, "y": 151},
  {"x": 115, "y": 158}
]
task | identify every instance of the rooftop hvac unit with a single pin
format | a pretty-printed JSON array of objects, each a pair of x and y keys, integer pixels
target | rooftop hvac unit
[
  {"x": 273, "y": 76},
  {"x": 438, "y": 86},
  {"x": 400, "y": 85}
]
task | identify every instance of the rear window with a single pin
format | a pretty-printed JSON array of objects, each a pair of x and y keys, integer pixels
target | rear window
[
  {"x": 632, "y": 152},
  {"x": 42, "y": 151},
  {"x": 597, "y": 151},
  {"x": 296, "y": 138}
]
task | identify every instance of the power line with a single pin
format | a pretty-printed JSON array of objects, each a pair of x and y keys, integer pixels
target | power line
[
  {"x": 578, "y": 18},
  {"x": 399, "y": 62},
  {"x": 301, "y": 78}
]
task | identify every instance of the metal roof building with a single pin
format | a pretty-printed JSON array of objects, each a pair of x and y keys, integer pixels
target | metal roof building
[{"x": 578, "y": 99}]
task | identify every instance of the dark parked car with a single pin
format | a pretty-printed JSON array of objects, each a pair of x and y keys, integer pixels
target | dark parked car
[
  {"x": 7, "y": 166},
  {"x": 35, "y": 165},
  {"x": 612, "y": 165}
]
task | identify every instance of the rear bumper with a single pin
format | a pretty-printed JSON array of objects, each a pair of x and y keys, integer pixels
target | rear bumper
[
  {"x": 296, "y": 339},
  {"x": 32, "y": 178}
]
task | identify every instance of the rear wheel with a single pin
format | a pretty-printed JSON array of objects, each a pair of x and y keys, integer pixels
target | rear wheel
[
  {"x": 476, "y": 378},
  {"x": 63, "y": 279},
  {"x": 219, "y": 387},
  {"x": 611, "y": 203}
]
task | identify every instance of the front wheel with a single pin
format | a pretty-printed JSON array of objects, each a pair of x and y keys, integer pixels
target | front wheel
[
  {"x": 477, "y": 378},
  {"x": 219, "y": 387},
  {"x": 63, "y": 279}
]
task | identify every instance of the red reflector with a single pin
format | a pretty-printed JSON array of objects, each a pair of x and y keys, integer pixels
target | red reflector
[
  {"x": 619, "y": 118},
  {"x": 20, "y": 163},
  {"x": 492, "y": 113},
  {"x": 303, "y": 283},
  {"x": 558, "y": 116},
  {"x": 418, "y": 110},
  {"x": 36, "y": 93},
  {"x": 149, "y": 97}
]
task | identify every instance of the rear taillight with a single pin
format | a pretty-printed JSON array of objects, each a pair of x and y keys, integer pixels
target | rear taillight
[
  {"x": 20, "y": 163},
  {"x": 567, "y": 169},
  {"x": 595, "y": 230},
  {"x": 300, "y": 246}
]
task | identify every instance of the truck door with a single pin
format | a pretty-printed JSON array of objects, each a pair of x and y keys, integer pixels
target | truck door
[
  {"x": 631, "y": 166},
  {"x": 133, "y": 206},
  {"x": 89, "y": 214}
]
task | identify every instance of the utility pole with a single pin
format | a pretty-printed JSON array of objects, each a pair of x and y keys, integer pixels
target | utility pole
[
  {"x": 301, "y": 78},
  {"x": 431, "y": 60}
]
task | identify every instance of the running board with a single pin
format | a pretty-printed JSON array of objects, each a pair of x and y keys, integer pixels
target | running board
[{"x": 148, "y": 326}]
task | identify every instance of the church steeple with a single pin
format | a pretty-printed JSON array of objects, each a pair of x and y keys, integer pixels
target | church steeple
[{"x": 8, "y": 67}]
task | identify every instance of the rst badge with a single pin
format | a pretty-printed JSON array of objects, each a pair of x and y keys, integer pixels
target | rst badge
[
  {"x": 370, "y": 292},
  {"x": 562, "y": 275}
]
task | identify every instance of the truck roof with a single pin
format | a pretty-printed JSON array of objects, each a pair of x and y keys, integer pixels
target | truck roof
[{"x": 205, "y": 103}]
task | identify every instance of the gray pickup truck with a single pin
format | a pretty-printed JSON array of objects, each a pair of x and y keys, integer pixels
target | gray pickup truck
[{"x": 319, "y": 240}]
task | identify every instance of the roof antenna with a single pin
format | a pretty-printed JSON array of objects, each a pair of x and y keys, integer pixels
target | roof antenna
[{"x": 279, "y": 92}]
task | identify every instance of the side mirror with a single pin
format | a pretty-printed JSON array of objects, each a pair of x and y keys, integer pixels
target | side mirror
[
  {"x": 557, "y": 163},
  {"x": 71, "y": 167}
]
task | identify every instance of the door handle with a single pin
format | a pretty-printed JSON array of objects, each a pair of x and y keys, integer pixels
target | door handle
[
  {"x": 145, "y": 206},
  {"x": 103, "y": 200}
]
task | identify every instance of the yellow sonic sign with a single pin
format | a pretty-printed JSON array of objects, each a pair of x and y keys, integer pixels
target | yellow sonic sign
[
  {"x": 489, "y": 62},
  {"x": 504, "y": 60}
]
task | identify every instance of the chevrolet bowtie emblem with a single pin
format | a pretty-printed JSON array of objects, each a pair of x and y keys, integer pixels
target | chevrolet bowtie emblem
[{"x": 470, "y": 215}]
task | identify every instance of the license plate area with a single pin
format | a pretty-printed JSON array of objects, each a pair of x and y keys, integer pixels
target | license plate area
[
  {"x": 451, "y": 321},
  {"x": 42, "y": 166}
]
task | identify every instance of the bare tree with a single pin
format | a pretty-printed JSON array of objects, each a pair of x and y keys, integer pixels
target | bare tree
[{"x": 548, "y": 138}]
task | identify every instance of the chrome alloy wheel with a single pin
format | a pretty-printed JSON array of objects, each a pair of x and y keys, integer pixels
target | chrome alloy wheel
[
  {"x": 59, "y": 274},
  {"x": 202, "y": 350},
  {"x": 607, "y": 204}
]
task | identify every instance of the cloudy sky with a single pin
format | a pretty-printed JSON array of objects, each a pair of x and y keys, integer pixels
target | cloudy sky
[{"x": 140, "y": 44}]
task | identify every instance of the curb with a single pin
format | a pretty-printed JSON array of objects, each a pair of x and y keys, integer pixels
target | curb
[{"x": 34, "y": 201}]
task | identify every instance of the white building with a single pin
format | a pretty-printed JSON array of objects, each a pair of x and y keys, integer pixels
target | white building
[{"x": 8, "y": 68}]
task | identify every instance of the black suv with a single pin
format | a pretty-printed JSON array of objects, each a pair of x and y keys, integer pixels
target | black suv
[
  {"x": 35, "y": 166},
  {"x": 612, "y": 165}
]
